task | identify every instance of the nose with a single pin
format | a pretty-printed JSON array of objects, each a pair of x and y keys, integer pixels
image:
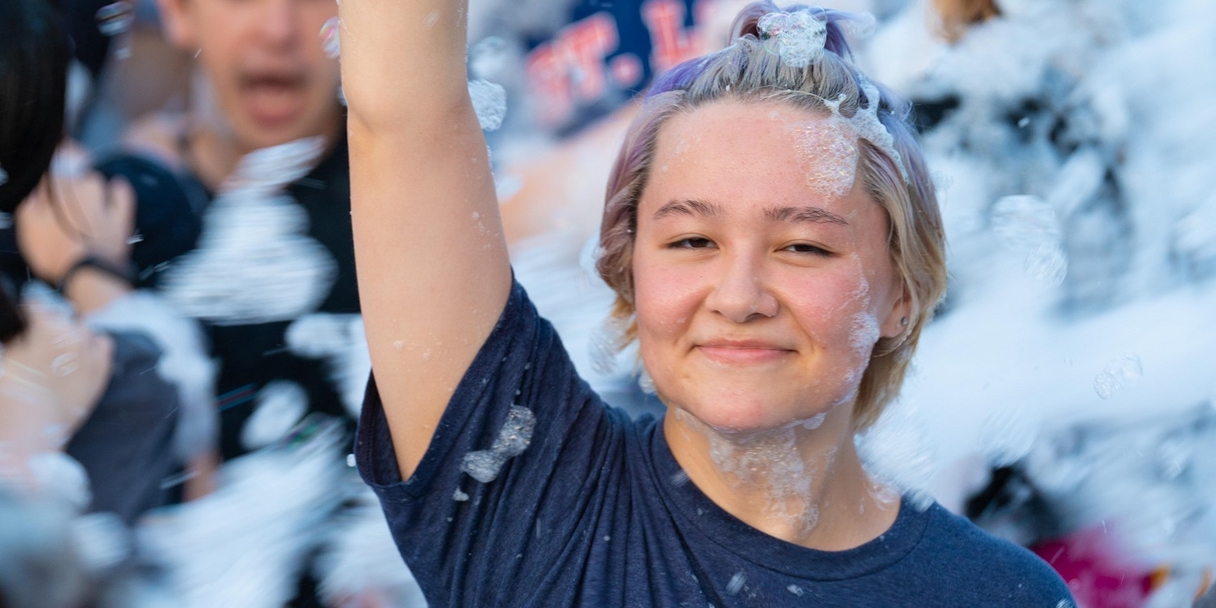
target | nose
[
  {"x": 741, "y": 293},
  {"x": 280, "y": 24}
]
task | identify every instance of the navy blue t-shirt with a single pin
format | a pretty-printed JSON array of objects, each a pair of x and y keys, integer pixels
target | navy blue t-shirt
[{"x": 596, "y": 512}]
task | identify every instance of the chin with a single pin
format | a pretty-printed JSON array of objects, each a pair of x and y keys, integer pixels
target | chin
[
  {"x": 256, "y": 136},
  {"x": 738, "y": 416},
  {"x": 753, "y": 409}
]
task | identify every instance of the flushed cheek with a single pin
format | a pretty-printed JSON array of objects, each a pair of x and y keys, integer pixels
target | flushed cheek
[
  {"x": 836, "y": 315},
  {"x": 666, "y": 299},
  {"x": 666, "y": 303}
]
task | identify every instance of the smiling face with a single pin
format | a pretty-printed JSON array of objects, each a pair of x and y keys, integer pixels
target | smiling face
[
  {"x": 264, "y": 63},
  {"x": 760, "y": 286}
]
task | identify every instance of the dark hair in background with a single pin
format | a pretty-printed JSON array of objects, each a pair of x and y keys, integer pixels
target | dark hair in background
[
  {"x": 34, "y": 55},
  {"x": 90, "y": 46},
  {"x": 12, "y": 319}
]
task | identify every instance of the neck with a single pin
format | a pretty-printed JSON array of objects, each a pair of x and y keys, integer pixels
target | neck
[
  {"x": 800, "y": 484},
  {"x": 212, "y": 156}
]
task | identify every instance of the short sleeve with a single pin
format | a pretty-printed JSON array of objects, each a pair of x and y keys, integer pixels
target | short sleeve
[
  {"x": 521, "y": 459},
  {"x": 126, "y": 443}
]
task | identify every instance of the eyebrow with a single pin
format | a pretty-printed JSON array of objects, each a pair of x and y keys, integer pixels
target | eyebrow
[
  {"x": 688, "y": 207},
  {"x": 809, "y": 213}
]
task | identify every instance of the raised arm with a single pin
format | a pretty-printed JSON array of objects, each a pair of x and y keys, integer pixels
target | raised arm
[{"x": 431, "y": 258}]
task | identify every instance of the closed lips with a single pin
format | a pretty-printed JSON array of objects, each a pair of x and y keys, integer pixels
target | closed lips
[{"x": 743, "y": 351}]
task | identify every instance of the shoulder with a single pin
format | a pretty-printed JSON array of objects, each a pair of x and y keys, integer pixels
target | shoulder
[
  {"x": 168, "y": 210},
  {"x": 992, "y": 568},
  {"x": 149, "y": 160}
]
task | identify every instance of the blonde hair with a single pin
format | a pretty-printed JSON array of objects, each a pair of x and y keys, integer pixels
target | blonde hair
[{"x": 749, "y": 71}]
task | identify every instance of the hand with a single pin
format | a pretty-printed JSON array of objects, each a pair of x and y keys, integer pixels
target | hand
[
  {"x": 53, "y": 376},
  {"x": 54, "y": 373},
  {"x": 75, "y": 217}
]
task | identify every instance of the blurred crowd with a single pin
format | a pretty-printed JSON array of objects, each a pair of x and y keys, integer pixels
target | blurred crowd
[{"x": 183, "y": 352}]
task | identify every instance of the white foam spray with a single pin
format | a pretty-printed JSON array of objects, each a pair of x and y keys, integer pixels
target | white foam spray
[{"x": 255, "y": 262}]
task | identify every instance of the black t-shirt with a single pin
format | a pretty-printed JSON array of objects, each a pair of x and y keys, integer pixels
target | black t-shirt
[
  {"x": 170, "y": 213},
  {"x": 126, "y": 443},
  {"x": 594, "y": 510}
]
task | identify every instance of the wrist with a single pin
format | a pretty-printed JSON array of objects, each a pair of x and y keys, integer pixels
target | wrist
[
  {"x": 91, "y": 288},
  {"x": 123, "y": 271}
]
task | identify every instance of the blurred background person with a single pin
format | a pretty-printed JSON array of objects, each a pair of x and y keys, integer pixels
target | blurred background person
[
  {"x": 71, "y": 387},
  {"x": 86, "y": 423},
  {"x": 243, "y": 222},
  {"x": 261, "y": 79}
]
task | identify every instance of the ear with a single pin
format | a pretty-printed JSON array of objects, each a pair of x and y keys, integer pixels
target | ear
[
  {"x": 900, "y": 315},
  {"x": 179, "y": 29}
]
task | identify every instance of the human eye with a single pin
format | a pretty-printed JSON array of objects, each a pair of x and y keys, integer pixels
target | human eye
[
  {"x": 807, "y": 248},
  {"x": 692, "y": 242}
]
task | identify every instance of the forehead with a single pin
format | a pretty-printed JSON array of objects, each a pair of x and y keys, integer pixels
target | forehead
[{"x": 756, "y": 153}]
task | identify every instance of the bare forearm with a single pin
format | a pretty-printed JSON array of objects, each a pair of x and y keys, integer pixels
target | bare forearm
[
  {"x": 91, "y": 290},
  {"x": 429, "y": 246}
]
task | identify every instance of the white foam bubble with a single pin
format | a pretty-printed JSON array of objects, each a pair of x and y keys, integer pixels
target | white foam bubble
[
  {"x": 340, "y": 340},
  {"x": 280, "y": 405},
  {"x": 255, "y": 262},
  {"x": 828, "y": 148},
  {"x": 771, "y": 462},
  {"x": 115, "y": 19},
  {"x": 736, "y": 583},
  {"x": 871, "y": 129},
  {"x": 798, "y": 37},
  {"x": 513, "y": 438},
  {"x": 1047, "y": 263},
  {"x": 1119, "y": 374},
  {"x": 490, "y": 103},
  {"x": 361, "y": 559},
  {"x": 1025, "y": 223},
  {"x": 330, "y": 42}
]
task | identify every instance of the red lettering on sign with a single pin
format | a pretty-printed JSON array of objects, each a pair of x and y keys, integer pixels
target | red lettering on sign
[
  {"x": 671, "y": 42},
  {"x": 570, "y": 68},
  {"x": 550, "y": 83},
  {"x": 589, "y": 41}
]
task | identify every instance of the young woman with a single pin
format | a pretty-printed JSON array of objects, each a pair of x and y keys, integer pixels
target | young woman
[{"x": 773, "y": 239}]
